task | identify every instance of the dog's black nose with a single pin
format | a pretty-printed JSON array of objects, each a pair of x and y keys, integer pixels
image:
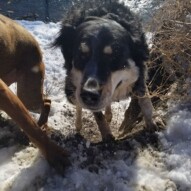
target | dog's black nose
[
  {"x": 91, "y": 85},
  {"x": 90, "y": 98}
]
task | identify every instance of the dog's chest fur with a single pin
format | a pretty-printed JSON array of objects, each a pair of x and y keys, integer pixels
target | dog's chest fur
[
  {"x": 123, "y": 81},
  {"x": 122, "y": 91}
]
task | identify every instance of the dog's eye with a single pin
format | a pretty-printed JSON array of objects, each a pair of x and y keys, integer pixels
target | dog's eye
[{"x": 84, "y": 48}]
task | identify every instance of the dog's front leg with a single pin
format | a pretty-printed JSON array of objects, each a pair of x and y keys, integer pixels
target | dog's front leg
[
  {"x": 140, "y": 87},
  {"x": 12, "y": 105},
  {"x": 78, "y": 121},
  {"x": 103, "y": 126},
  {"x": 108, "y": 113}
]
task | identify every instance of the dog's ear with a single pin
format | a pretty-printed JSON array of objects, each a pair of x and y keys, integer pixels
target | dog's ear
[
  {"x": 137, "y": 42},
  {"x": 65, "y": 41}
]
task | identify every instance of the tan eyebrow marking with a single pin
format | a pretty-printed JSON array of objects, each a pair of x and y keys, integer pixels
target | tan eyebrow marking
[
  {"x": 107, "y": 50},
  {"x": 84, "y": 47}
]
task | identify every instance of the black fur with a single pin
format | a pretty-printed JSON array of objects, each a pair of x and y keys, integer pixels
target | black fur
[{"x": 83, "y": 11}]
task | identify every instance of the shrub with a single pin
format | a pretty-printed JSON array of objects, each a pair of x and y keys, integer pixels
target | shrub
[{"x": 170, "y": 59}]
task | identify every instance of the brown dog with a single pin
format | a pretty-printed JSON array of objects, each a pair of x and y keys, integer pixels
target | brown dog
[{"x": 21, "y": 62}]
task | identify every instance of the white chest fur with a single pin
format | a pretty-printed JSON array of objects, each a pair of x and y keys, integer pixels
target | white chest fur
[{"x": 123, "y": 80}]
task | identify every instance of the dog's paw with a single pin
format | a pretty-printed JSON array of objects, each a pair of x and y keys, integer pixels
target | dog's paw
[
  {"x": 157, "y": 124},
  {"x": 124, "y": 130},
  {"x": 160, "y": 123},
  {"x": 57, "y": 157},
  {"x": 152, "y": 128},
  {"x": 127, "y": 126}
]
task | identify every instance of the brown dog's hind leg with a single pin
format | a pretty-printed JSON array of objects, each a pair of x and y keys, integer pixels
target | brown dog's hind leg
[
  {"x": 10, "y": 103},
  {"x": 103, "y": 126},
  {"x": 30, "y": 87},
  {"x": 11, "y": 77}
]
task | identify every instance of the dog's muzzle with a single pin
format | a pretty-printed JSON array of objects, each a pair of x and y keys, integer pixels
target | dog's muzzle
[{"x": 91, "y": 92}]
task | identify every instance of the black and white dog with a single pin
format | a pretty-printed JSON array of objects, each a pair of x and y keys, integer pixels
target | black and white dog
[{"x": 104, "y": 50}]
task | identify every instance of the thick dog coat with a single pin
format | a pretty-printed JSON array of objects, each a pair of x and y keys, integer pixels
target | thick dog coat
[{"x": 104, "y": 50}]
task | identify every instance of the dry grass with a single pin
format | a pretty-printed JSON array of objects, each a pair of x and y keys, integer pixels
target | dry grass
[{"x": 170, "y": 61}]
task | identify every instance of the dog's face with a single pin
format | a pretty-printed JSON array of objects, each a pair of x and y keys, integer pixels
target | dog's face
[{"x": 101, "y": 61}]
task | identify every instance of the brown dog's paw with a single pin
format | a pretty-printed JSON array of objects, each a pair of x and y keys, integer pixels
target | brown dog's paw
[{"x": 57, "y": 157}]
